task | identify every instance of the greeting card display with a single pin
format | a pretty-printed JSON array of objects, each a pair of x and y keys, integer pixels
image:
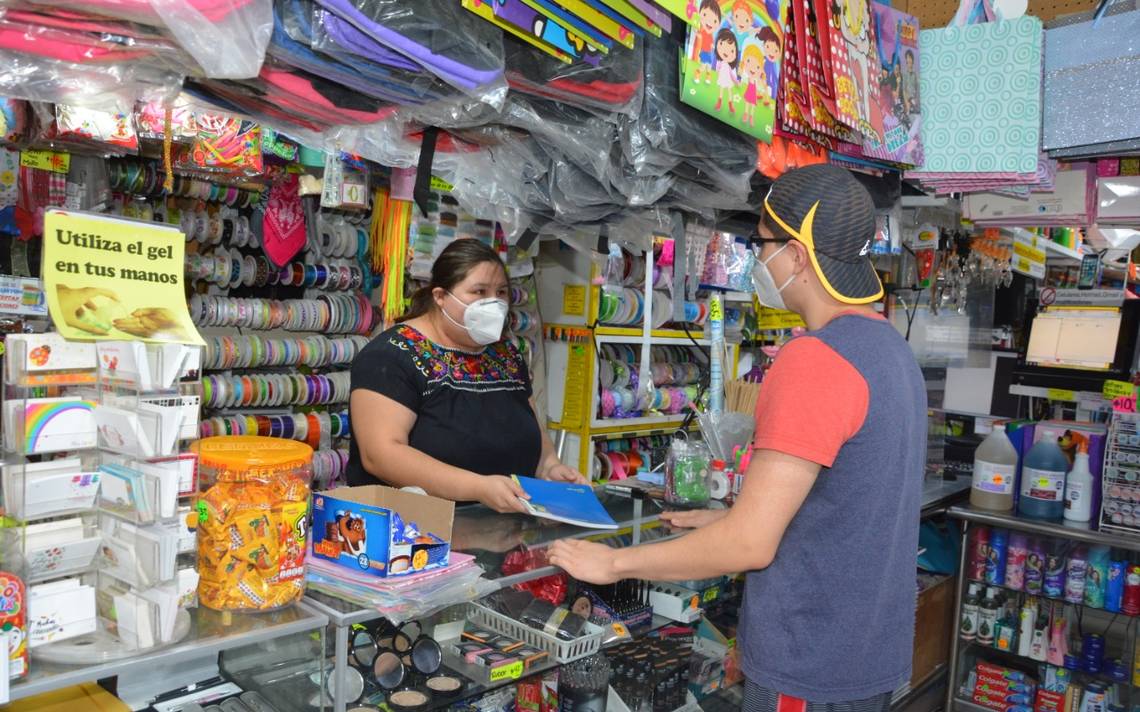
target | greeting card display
[{"x": 730, "y": 68}]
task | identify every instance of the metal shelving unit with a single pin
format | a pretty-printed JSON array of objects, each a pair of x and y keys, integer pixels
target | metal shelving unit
[{"x": 1068, "y": 530}]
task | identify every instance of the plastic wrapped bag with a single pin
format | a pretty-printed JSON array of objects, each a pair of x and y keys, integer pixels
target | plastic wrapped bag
[
  {"x": 582, "y": 139},
  {"x": 439, "y": 35},
  {"x": 200, "y": 27},
  {"x": 614, "y": 85},
  {"x": 290, "y": 45},
  {"x": 726, "y": 156}
]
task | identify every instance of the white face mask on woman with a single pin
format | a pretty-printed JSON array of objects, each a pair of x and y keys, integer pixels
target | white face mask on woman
[{"x": 483, "y": 319}]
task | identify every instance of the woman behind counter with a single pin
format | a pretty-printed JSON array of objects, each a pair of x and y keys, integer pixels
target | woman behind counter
[{"x": 441, "y": 401}]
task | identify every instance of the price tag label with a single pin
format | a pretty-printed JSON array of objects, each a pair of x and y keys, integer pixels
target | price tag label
[
  {"x": 1116, "y": 389},
  {"x": 508, "y": 672},
  {"x": 1124, "y": 404},
  {"x": 1060, "y": 394},
  {"x": 46, "y": 161},
  {"x": 716, "y": 310},
  {"x": 574, "y": 299},
  {"x": 439, "y": 184},
  {"x": 711, "y": 594}
]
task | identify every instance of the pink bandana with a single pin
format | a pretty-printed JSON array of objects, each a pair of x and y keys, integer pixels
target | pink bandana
[{"x": 283, "y": 233}]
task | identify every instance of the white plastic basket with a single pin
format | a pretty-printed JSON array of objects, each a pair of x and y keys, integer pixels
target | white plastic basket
[{"x": 561, "y": 651}]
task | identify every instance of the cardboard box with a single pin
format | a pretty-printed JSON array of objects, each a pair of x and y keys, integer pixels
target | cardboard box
[{"x": 382, "y": 531}]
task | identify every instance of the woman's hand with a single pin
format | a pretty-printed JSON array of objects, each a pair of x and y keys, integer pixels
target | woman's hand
[
  {"x": 557, "y": 472},
  {"x": 694, "y": 519},
  {"x": 501, "y": 494}
]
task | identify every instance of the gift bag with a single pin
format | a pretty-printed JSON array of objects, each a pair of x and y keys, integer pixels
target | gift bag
[
  {"x": 981, "y": 94},
  {"x": 1091, "y": 73}
]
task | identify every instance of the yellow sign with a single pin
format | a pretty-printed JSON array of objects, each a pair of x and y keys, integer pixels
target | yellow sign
[
  {"x": 508, "y": 672},
  {"x": 574, "y": 299},
  {"x": 441, "y": 185},
  {"x": 1116, "y": 389},
  {"x": 46, "y": 161},
  {"x": 711, "y": 594},
  {"x": 111, "y": 278},
  {"x": 716, "y": 310},
  {"x": 1060, "y": 394},
  {"x": 777, "y": 319}
]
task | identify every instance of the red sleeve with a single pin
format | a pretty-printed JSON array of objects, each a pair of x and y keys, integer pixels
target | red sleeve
[{"x": 811, "y": 402}]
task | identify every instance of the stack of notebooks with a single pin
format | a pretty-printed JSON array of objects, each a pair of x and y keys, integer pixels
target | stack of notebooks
[{"x": 404, "y": 597}]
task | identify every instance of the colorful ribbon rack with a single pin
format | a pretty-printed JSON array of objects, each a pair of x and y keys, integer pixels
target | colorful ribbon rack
[
  {"x": 137, "y": 178},
  {"x": 230, "y": 268},
  {"x": 315, "y": 426},
  {"x": 269, "y": 390},
  {"x": 328, "y": 313},
  {"x": 254, "y": 351}
]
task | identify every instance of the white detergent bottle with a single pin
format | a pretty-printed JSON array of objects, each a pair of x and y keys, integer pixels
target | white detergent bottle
[
  {"x": 1079, "y": 488},
  {"x": 995, "y": 468}
]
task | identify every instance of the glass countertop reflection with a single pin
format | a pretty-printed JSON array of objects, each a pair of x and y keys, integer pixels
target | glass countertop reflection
[{"x": 510, "y": 547}]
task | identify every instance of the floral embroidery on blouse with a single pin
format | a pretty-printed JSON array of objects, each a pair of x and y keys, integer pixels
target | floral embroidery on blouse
[{"x": 497, "y": 368}]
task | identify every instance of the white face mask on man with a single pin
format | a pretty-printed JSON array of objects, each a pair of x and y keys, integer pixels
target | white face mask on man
[
  {"x": 765, "y": 284},
  {"x": 483, "y": 319}
]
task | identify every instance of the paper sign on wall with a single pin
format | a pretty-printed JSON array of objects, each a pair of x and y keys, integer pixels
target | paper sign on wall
[{"x": 111, "y": 278}]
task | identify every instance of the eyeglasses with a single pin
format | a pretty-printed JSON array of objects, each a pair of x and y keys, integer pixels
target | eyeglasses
[{"x": 755, "y": 238}]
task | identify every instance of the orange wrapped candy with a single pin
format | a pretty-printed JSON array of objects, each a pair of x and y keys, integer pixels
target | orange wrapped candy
[{"x": 253, "y": 502}]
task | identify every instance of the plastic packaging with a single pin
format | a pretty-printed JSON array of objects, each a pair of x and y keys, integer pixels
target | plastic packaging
[
  {"x": 1043, "y": 482},
  {"x": 997, "y": 556},
  {"x": 252, "y": 510},
  {"x": 200, "y": 27},
  {"x": 613, "y": 85},
  {"x": 1079, "y": 488},
  {"x": 438, "y": 35},
  {"x": 995, "y": 468},
  {"x": 1015, "y": 561},
  {"x": 687, "y": 474},
  {"x": 1076, "y": 574},
  {"x": 1096, "y": 581}
]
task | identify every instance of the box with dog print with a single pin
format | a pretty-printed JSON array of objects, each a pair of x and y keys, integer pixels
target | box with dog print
[{"x": 382, "y": 531}]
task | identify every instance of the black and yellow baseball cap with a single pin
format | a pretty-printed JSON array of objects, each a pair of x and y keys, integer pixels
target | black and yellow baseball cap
[{"x": 832, "y": 214}]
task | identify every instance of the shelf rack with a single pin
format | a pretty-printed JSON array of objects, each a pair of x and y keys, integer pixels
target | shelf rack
[{"x": 970, "y": 516}]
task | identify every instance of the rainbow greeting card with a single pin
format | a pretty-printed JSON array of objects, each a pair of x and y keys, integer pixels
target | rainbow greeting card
[{"x": 57, "y": 424}]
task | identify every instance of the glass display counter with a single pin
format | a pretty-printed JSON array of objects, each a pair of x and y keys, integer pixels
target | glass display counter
[{"x": 490, "y": 537}]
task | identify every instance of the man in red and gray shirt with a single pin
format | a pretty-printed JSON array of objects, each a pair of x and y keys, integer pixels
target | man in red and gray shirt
[{"x": 827, "y": 523}]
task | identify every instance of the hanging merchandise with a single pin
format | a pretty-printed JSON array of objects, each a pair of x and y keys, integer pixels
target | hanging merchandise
[
  {"x": 557, "y": 34},
  {"x": 13, "y": 120},
  {"x": 78, "y": 127},
  {"x": 283, "y": 229},
  {"x": 896, "y": 35},
  {"x": 226, "y": 143},
  {"x": 854, "y": 65},
  {"x": 981, "y": 97},
  {"x": 441, "y": 37},
  {"x": 731, "y": 63},
  {"x": 1086, "y": 67}
]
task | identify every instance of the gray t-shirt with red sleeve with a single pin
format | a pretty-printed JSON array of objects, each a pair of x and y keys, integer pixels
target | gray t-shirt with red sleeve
[{"x": 832, "y": 619}]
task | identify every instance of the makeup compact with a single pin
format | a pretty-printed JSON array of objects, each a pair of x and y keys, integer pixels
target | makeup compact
[
  {"x": 426, "y": 656},
  {"x": 388, "y": 670},
  {"x": 353, "y": 685},
  {"x": 445, "y": 686},
  {"x": 362, "y": 649},
  {"x": 409, "y": 701}
]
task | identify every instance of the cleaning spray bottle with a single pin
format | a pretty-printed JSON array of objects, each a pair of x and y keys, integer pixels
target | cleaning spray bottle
[{"x": 1078, "y": 488}]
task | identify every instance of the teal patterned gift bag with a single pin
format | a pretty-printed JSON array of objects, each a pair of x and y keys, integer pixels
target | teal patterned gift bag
[{"x": 981, "y": 96}]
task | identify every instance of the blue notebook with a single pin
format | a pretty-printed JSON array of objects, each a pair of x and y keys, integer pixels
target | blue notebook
[{"x": 565, "y": 502}]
